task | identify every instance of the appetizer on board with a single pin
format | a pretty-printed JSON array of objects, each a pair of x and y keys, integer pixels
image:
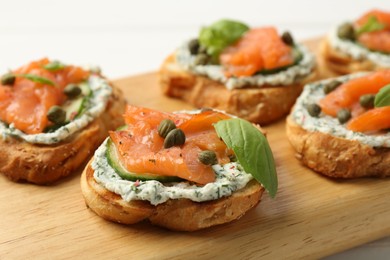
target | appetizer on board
[
  {"x": 52, "y": 117},
  {"x": 360, "y": 45},
  {"x": 253, "y": 73},
  {"x": 183, "y": 171},
  {"x": 340, "y": 127}
]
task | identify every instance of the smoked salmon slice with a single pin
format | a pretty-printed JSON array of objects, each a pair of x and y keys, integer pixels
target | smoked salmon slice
[
  {"x": 372, "y": 120},
  {"x": 26, "y": 103},
  {"x": 141, "y": 150},
  {"x": 376, "y": 40},
  {"x": 382, "y": 16},
  {"x": 347, "y": 95},
  {"x": 259, "y": 48}
]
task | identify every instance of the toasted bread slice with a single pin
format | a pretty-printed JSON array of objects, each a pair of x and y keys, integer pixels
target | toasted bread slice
[
  {"x": 337, "y": 157},
  {"x": 44, "y": 164},
  {"x": 341, "y": 63},
  {"x": 175, "y": 214},
  {"x": 259, "y": 105}
]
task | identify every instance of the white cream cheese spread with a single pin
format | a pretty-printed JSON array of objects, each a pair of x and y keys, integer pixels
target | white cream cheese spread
[
  {"x": 312, "y": 93},
  {"x": 288, "y": 76},
  {"x": 101, "y": 91},
  {"x": 229, "y": 178},
  {"x": 356, "y": 51}
]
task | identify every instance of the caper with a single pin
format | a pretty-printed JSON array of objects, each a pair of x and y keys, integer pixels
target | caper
[
  {"x": 331, "y": 86},
  {"x": 346, "y": 31},
  {"x": 313, "y": 109},
  {"x": 165, "y": 127},
  {"x": 367, "y": 101},
  {"x": 56, "y": 115},
  {"x": 287, "y": 38},
  {"x": 343, "y": 115},
  {"x": 174, "y": 137},
  {"x": 201, "y": 59},
  {"x": 8, "y": 79},
  {"x": 208, "y": 157},
  {"x": 193, "y": 46},
  {"x": 72, "y": 90}
]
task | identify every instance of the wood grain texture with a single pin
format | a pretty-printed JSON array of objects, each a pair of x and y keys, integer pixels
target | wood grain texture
[{"x": 311, "y": 217}]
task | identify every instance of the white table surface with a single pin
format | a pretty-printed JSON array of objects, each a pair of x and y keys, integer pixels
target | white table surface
[{"x": 131, "y": 37}]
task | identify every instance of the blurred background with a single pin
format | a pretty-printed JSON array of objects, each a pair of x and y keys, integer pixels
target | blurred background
[{"x": 131, "y": 37}]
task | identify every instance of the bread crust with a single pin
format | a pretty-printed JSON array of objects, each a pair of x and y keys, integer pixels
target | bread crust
[
  {"x": 341, "y": 63},
  {"x": 337, "y": 157},
  {"x": 259, "y": 105},
  {"x": 180, "y": 214},
  {"x": 44, "y": 164}
]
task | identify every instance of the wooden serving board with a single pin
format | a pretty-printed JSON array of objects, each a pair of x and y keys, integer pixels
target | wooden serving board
[{"x": 311, "y": 216}]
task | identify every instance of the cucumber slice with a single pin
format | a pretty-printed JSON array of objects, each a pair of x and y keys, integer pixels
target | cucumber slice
[
  {"x": 85, "y": 89},
  {"x": 72, "y": 108},
  {"x": 76, "y": 107},
  {"x": 114, "y": 162}
]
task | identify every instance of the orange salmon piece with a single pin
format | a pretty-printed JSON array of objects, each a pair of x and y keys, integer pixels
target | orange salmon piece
[
  {"x": 346, "y": 95},
  {"x": 372, "y": 120},
  {"x": 141, "y": 148},
  {"x": 376, "y": 40},
  {"x": 382, "y": 16},
  {"x": 259, "y": 48},
  {"x": 26, "y": 103},
  {"x": 202, "y": 122},
  {"x": 134, "y": 114},
  {"x": 175, "y": 161}
]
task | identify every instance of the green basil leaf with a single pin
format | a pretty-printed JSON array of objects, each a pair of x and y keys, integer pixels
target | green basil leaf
[
  {"x": 251, "y": 149},
  {"x": 54, "y": 66},
  {"x": 371, "y": 25},
  {"x": 382, "y": 98},
  {"x": 221, "y": 34},
  {"x": 37, "y": 79}
]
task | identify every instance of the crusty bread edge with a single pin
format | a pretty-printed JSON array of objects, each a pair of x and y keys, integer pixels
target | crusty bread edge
[
  {"x": 337, "y": 157},
  {"x": 45, "y": 164},
  {"x": 341, "y": 63},
  {"x": 259, "y": 105},
  {"x": 175, "y": 214}
]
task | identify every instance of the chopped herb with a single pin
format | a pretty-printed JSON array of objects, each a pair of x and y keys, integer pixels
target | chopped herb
[
  {"x": 371, "y": 25},
  {"x": 135, "y": 188},
  {"x": 54, "y": 66},
  {"x": 36, "y": 79}
]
